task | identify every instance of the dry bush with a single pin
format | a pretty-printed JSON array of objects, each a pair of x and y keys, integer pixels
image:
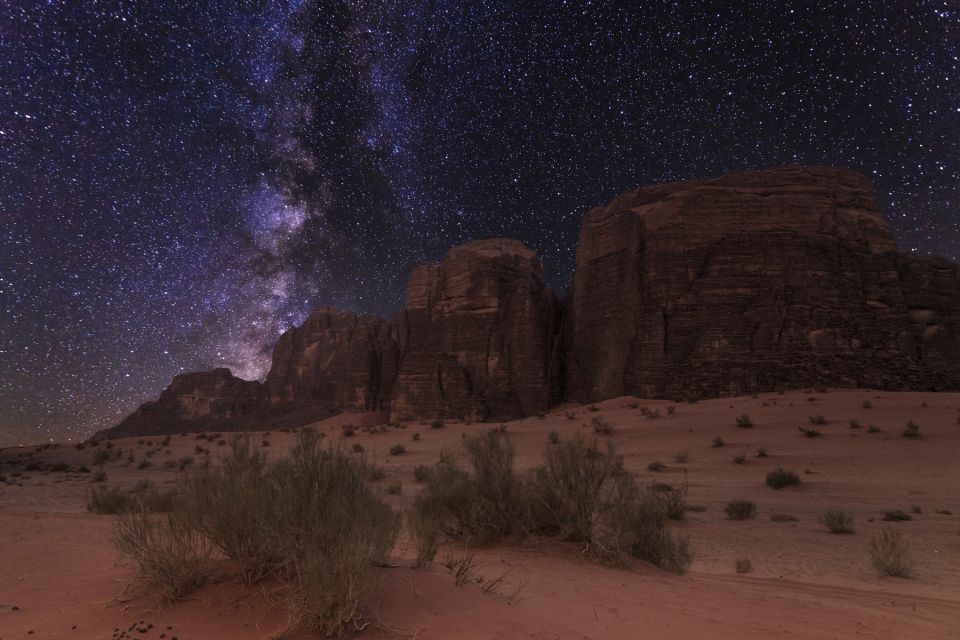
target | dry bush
[
  {"x": 744, "y": 421},
  {"x": 837, "y": 521},
  {"x": 145, "y": 495},
  {"x": 780, "y": 478},
  {"x": 427, "y": 532},
  {"x": 168, "y": 551},
  {"x": 741, "y": 510},
  {"x": 889, "y": 555},
  {"x": 743, "y": 565},
  {"x": 233, "y": 505}
]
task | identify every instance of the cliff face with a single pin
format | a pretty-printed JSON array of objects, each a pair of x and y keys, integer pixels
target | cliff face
[
  {"x": 477, "y": 336},
  {"x": 786, "y": 277},
  {"x": 335, "y": 360},
  {"x": 751, "y": 281}
]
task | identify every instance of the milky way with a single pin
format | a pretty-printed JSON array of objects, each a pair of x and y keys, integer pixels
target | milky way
[{"x": 180, "y": 185}]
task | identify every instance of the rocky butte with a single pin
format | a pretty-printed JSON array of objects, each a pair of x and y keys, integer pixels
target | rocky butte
[{"x": 753, "y": 281}]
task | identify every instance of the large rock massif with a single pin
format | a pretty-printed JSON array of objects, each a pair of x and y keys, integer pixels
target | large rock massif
[{"x": 748, "y": 282}]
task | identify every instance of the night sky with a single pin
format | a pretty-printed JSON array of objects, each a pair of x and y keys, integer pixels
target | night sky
[{"x": 180, "y": 185}]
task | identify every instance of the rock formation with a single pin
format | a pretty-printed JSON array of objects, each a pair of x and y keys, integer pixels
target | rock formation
[
  {"x": 748, "y": 282},
  {"x": 753, "y": 281},
  {"x": 477, "y": 336}
]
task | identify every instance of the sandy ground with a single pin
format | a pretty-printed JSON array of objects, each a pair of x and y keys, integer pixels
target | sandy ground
[{"x": 60, "y": 578}]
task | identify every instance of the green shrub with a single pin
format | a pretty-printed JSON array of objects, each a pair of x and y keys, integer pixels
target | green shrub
[
  {"x": 780, "y": 478},
  {"x": 889, "y": 555},
  {"x": 741, "y": 510},
  {"x": 837, "y": 521}
]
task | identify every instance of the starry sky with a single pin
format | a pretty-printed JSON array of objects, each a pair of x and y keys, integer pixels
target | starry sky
[{"x": 180, "y": 182}]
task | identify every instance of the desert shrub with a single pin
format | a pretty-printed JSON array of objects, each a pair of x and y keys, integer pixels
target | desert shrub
[
  {"x": 743, "y": 565},
  {"x": 873, "y": 429},
  {"x": 593, "y": 407},
  {"x": 375, "y": 473},
  {"x": 889, "y": 555},
  {"x": 656, "y": 465},
  {"x": 741, "y": 510},
  {"x": 810, "y": 433},
  {"x": 854, "y": 424},
  {"x": 916, "y": 509},
  {"x": 233, "y": 505},
  {"x": 780, "y": 478},
  {"x": 482, "y": 505},
  {"x": 717, "y": 442},
  {"x": 144, "y": 464},
  {"x": 421, "y": 472},
  {"x": 740, "y": 459},
  {"x": 912, "y": 430},
  {"x": 397, "y": 449},
  {"x": 681, "y": 457},
  {"x": 601, "y": 426},
  {"x": 436, "y": 424},
  {"x": 427, "y": 532},
  {"x": 59, "y": 467},
  {"x": 744, "y": 421},
  {"x": 674, "y": 502},
  {"x": 167, "y": 551},
  {"x": 184, "y": 462},
  {"x": 143, "y": 496},
  {"x": 818, "y": 420},
  {"x": 671, "y": 409},
  {"x": 761, "y": 453},
  {"x": 837, "y": 521},
  {"x": 395, "y": 488},
  {"x": 553, "y": 437},
  {"x": 582, "y": 494},
  {"x": 348, "y": 430},
  {"x": 867, "y": 404},
  {"x": 415, "y": 437},
  {"x": 99, "y": 476},
  {"x": 896, "y": 515},
  {"x": 329, "y": 527},
  {"x": 570, "y": 415}
]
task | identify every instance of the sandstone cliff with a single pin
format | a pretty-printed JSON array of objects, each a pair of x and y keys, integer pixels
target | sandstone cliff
[{"x": 752, "y": 281}]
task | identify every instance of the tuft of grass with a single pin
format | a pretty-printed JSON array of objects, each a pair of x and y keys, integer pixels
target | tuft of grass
[
  {"x": 744, "y": 422},
  {"x": 395, "y": 488},
  {"x": 553, "y": 437},
  {"x": 570, "y": 415},
  {"x": 601, "y": 426},
  {"x": 837, "y": 521},
  {"x": 593, "y": 407},
  {"x": 867, "y": 404},
  {"x": 780, "y": 478},
  {"x": 741, "y": 459},
  {"x": 415, "y": 437},
  {"x": 741, "y": 510},
  {"x": 783, "y": 517},
  {"x": 347, "y": 430},
  {"x": 397, "y": 449},
  {"x": 421, "y": 472},
  {"x": 854, "y": 424},
  {"x": 896, "y": 515},
  {"x": 810, "y": 433},
  {"x": 717, "y": 442},
  {"x": 681, "y": 458},
  {"x": 912, "y": 430},
  {"x": 889, "y": 555},
  {"x": 916, "y": 509},
  {"x": 437, "y": 424},
  {"x": 762, "y": 452},
  {"x": 743, "y": 565},
  {"x": 656, "y": 466},
  {"x": 818, "y": 420},
  {"x": 873, "y": 429},
  {"x": 144, "y": 496},
  {"x": 166, "y": 549}
]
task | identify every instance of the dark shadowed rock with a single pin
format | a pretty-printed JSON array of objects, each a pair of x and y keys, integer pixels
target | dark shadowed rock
[
  {"x": 337, "y": 361},
  {"x": 194, "y": 402},
  {"x": 752, "y": 281},
  {"x": 477, "y": 335}
]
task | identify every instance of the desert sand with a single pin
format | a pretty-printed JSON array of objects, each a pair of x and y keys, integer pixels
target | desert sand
[{"x": 61, "y": 578}]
